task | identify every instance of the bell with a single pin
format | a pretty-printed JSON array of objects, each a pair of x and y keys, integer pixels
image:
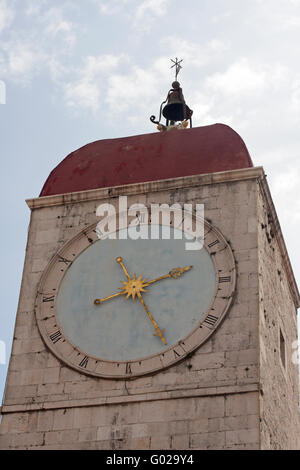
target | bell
[{"x": 176, "y": 109}]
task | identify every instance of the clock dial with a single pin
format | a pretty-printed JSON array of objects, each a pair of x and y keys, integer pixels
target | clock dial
[
  {"x": 120, "y": 328},
  {"x": 119, "y": 308}
]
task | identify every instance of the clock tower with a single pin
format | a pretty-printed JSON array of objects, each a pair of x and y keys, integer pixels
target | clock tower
[{"x": 139, "y": 343}]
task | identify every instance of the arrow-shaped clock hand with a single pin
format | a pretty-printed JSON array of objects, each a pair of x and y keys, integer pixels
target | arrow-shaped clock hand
[
  {"x": 158, "y": 330},
  {"x": 99, "y": 301},
  {"x": 174, "y": 273}
]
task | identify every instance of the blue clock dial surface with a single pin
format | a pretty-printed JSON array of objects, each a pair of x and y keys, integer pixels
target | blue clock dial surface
[{"x": 119, "y": 329}]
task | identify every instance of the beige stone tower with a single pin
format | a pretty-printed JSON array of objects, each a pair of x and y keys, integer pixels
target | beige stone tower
[{"x": 230, "y": 382}]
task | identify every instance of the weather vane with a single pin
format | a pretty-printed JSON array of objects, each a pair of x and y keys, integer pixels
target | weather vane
[{"x": 177, "y": 65}]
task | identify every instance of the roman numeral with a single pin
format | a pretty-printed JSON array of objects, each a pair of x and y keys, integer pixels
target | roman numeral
[
  {"x": 49, "y": 299},
  {"x": 84, "y": 362},
  {"x": 211, "y": 320},
  {"x": 176, "y": 354},
  {"x": 128, "y": 368},
  {"x": 213, "y": 243},
  {"x": 224, "y": 279},
  {"x": 141, "y": 218},
  {"x": 55, "y": 337},
  {"x": 90, "y": 240},
  {"x": 64, "y": 260}
]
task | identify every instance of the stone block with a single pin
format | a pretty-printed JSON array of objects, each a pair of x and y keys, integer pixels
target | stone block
[
  {"x": 198, "y": 426},
  {"x": 208, "y": 441},
  {"x": 14, "y": 423},
  {"x": 70, "y": 375},
  {"x": 20, "y": 391},
  {"x": 242, "y": 404},
  {"x": 231, "y": 342},
  {"x": 103, "y": 433},
  {"x": 83, "y": 417},
  {"x": 27, "y": 440},
  {"x": 14, "y": 378},
  {"x": 47, "y": 236},
  {"x": 38, "y": 265},
  {"x": 6, "y": 441},
  {"x": 50, "y": 389},
  {"x": 208, "y": 361},
  {"x": 169, "y": 410},
  {"x": 141, "y": 443},
  {"x": 210, "y": 407},
  {"x": 51, "y": 375},
  {"x": 31, "y": 377},
  {"x": 63, "y": 419},
  {"x": 241, "y": 357},
  {"x": 45, "y": 421},
  {"x": 160, "y": 442},
  {"x": 180, "y": 442},
  {"x": 87, "y": 435},
  {"x": 242, "y": 436}
]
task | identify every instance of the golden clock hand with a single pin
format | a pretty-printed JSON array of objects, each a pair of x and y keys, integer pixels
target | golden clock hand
[
  {"x": 99, "y": 301},
  {"x": 175, "y": 273},
  {"x": 120, "y": 261},
  {"x": 158, "y": 330}
]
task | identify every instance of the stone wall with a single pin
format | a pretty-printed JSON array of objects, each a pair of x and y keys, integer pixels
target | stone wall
[
  {"x": 280, "y": 426},
  {"x": 208, "y": 422},
  {"x": 209, "y": 401}
]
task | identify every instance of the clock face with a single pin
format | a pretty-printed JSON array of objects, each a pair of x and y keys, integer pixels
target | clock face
[{"x": 120, "y": 308}]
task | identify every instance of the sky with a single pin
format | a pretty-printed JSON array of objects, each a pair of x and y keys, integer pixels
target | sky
[{"x": 72, "y": 72}]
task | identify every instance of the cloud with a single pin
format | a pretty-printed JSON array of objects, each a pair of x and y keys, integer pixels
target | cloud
[
  {"x": 112, "y": 7},
  {"x": 85, "y": 90},
  {"x": 291, "y": 22},
  {"x": 147, "y": 13},
  {"x": 126, "y": 91},
  {"x": 52, "y": 20},
  {"x": 152, "y": 7},
  {"x": 34, "y": 8},
  {"x": 83, "y": 93},
  {"x": 21, "y": 60},
  {"x": 276, "y": 16},
  {"x": 285, "y": 190},
  {"x": 295, "y": 96},
  {"x": 55, "y": 25},
  {"x": 221, "y": 17},
  {"x": 240, "y": 77},
  {"x": 26, "y": 53},
  {"x": 144, "y": 10},
  {"x": 193, "y": 53},
  {"x": 7, "y": 14},
  {"x": 140, "y": 91},
  {"x": 238, "y": 93}
]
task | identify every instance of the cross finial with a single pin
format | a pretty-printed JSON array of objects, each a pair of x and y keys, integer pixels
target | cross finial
[{"x": 177, "y": 65}]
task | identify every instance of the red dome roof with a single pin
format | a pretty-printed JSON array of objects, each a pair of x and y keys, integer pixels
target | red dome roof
[{"x": 149, "y": 157}]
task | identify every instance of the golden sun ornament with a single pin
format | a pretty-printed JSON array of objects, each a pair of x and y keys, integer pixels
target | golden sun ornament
[{"x": 134, "y": 286}]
